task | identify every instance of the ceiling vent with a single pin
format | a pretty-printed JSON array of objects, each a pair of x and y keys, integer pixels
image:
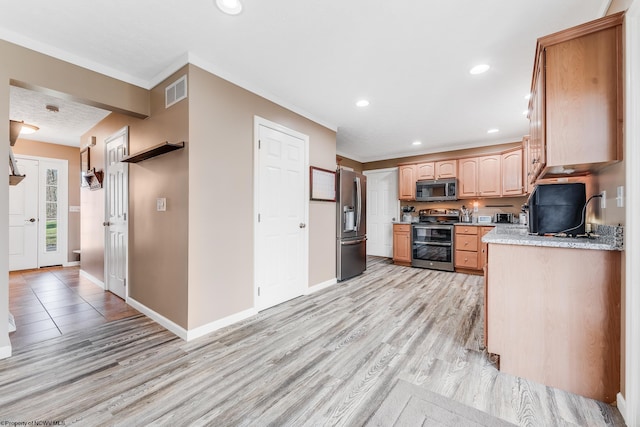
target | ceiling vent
[{"x": 176, "y": 91}]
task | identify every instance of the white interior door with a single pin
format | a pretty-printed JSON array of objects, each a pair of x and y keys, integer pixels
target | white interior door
[
  {"x": 23, "y": 218},
  {"x": 382, "y": 209},
  {"x": 116, "y": 211},
  {"x": 281, "y": 233}
]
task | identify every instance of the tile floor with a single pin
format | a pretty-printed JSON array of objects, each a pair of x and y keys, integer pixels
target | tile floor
[{"x": 50, "y": 302}]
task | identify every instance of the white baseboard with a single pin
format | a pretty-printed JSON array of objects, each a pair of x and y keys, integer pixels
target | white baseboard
[
  {"x": 71, "y": 264},
  {"x": 192, "y": 334},
  {"x": 158, "y": 318},
  {"x": 219, "y": 324},
  {"x": 622, "y": 406},
  {"x": 5, "y": 351},
  {"x": 92, "y": 278},
  {"x": 321, "y": 286}
]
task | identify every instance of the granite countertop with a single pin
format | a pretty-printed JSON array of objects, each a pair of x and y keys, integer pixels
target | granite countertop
[
  {"x": 488, "y": 224},
  {"x": 606, "y": 238}
]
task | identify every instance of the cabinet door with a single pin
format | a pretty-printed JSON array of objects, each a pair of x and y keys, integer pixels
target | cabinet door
[
  {"x": 512, "y": 173},
  {"x": 407, "y": 182},
  {"x": 426, "y": 170},
  {"x": 468, "y": 179},
  {"x": 483, "y": 246},
  {"x": 489, "y": 171},
  {"x": 446, "y": 169},
  {"x": 402, "y": 243},
  {"x": 582, "y": 82},
  {"x": 537, "y": 148}
]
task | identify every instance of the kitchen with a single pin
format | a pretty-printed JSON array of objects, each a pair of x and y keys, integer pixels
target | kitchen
[{"x": 539, "y": 218}]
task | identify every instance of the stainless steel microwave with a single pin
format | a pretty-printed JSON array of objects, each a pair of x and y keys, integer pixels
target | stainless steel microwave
[{"x": 435, "y": 190}]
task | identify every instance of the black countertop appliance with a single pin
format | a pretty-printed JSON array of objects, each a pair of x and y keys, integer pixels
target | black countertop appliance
[{"x": 557, "y": 208}]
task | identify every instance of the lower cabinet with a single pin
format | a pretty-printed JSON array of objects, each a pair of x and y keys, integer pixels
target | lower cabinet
[
  {"x": 402, "y": 244},
  {"x": 470, "y": 252}
]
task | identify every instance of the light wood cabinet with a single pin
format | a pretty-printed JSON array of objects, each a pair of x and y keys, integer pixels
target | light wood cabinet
[
  {"x": 468, "y": 178},
  {"x": 480, "y": 177},
  {"x": 446, "y": 169},
  {"x": 576, "y": 108},
  {"x": 426, "y": 170},
  {"x": 489, "y": 174},
  {"x": 437, "y": 170},
  {"x": 407, "y": 182},
  {"x": 402, "y": 244},
  {"x": 466, "y": 247},
  {"x": 511, "y": 175},
  {"x": 554, "y": 316},
  {"x": 470, "y": 252}
]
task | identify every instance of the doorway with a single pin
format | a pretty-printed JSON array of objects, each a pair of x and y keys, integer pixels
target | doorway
[
  {"x": 383, "y": 208},
  {"x": 116, "y": 204},
  {"x": 38, "y": 214},
  {"x": 281, "y": 195}
]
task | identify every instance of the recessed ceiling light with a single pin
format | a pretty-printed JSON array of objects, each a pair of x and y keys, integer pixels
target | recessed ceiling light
[
  {"x": 416, "y": 143},
  {"x": 525, "y": 112},
  {"x": 230, "y": 7},
  {"x": 527, "y": 96},
  {"x": 494, "y": 130},
  {"x": 479, "y": 69},
  {"x": 28, "y": 129},
  {"x": 362, "y": 103}
]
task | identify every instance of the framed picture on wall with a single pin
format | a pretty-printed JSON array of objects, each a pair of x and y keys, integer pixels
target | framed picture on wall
[
  {"x": 85, "y": 165},
  {"x": 323, "y": 184}
]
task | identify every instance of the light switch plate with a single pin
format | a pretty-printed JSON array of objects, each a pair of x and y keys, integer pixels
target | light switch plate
[
  {"x": 603, "y": 200},
  {"x": 161, "y": 204},
  {"x": 620, "y": 197}
]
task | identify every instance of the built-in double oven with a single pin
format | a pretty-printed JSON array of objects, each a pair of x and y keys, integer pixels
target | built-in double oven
[{"x": 432, "y": 246}]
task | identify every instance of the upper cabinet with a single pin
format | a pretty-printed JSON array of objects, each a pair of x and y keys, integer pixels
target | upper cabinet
[
  {"x": 446, "y": 169},
  {"x": 407, "y": 182},
  {"x": 489, "y": 175},
  {"x": 511, "y": 164},
  {"x": 468, "y": 179},
  {"x": 426, "y": 170},
  {"x": 437, "y": 170},
  {"x": 575, "y": 109}
]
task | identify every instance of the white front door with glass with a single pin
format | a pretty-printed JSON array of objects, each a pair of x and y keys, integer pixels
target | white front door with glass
[{"x": 38, "y": 214}]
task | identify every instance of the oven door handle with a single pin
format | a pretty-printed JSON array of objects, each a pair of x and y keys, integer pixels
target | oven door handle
[
  {"x": 432, "y": 244},
  {"x": 431, "y": 227}
]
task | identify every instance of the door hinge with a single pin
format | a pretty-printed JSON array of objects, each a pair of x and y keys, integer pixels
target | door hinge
[
  {"x": 125, "y": 282},
  {"x": 259, "y": 144},
  {"x": 258, "y": 217},
  {"x": 125, "y": 216},
  {"x": 258, "y": 290}
]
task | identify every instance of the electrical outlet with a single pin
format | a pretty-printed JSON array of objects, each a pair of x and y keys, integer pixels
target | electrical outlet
[{"x": 603, "y": 199}]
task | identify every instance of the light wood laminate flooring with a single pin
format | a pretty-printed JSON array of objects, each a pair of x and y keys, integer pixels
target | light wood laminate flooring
[{"x": 330, "y": 358}]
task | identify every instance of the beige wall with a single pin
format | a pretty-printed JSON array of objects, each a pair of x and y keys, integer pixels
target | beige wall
[
  {"x": 72, "y": 156},
  {"x": 349, "y": 163},
  {"x": 221, "y": 120},
  {"x": 41, "y": 71},
  {"x": 157, "y": 240}
]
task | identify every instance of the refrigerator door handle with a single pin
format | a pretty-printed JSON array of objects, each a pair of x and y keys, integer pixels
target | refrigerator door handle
[
  {"x": 352, "y": 242},
  {"x": 358, "y": 203}
]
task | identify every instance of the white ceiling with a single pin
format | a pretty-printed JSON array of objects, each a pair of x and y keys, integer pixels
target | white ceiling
[{"x": 411, "y": 59}]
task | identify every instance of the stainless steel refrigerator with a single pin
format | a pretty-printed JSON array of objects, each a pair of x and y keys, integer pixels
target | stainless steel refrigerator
[{"x": 352, "y": 224}]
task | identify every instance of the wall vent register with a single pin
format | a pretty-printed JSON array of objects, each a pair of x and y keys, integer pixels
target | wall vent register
[{"x": 175, "y": 92}]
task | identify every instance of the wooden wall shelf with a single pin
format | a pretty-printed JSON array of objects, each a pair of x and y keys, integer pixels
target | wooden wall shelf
[
  {"x": 15, "y": 179},
  {"x": 154, "y": 151}
]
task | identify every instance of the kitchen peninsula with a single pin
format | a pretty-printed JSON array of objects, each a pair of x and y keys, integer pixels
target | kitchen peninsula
[{"x": 553, "y": 308}]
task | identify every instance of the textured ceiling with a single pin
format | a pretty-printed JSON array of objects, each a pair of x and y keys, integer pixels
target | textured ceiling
[
  {"x": 409, "y": 58},
  {"x": 64, "y": 127}
]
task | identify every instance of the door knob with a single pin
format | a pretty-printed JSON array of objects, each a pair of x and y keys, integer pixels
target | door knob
[
  {"x": 106, "y": 223},
  {"x": 30, "y": 220},
  {"x": 302, "y": 225}
]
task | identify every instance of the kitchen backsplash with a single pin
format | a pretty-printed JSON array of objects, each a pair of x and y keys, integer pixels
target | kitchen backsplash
[{"x": 485, "y": 206}]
